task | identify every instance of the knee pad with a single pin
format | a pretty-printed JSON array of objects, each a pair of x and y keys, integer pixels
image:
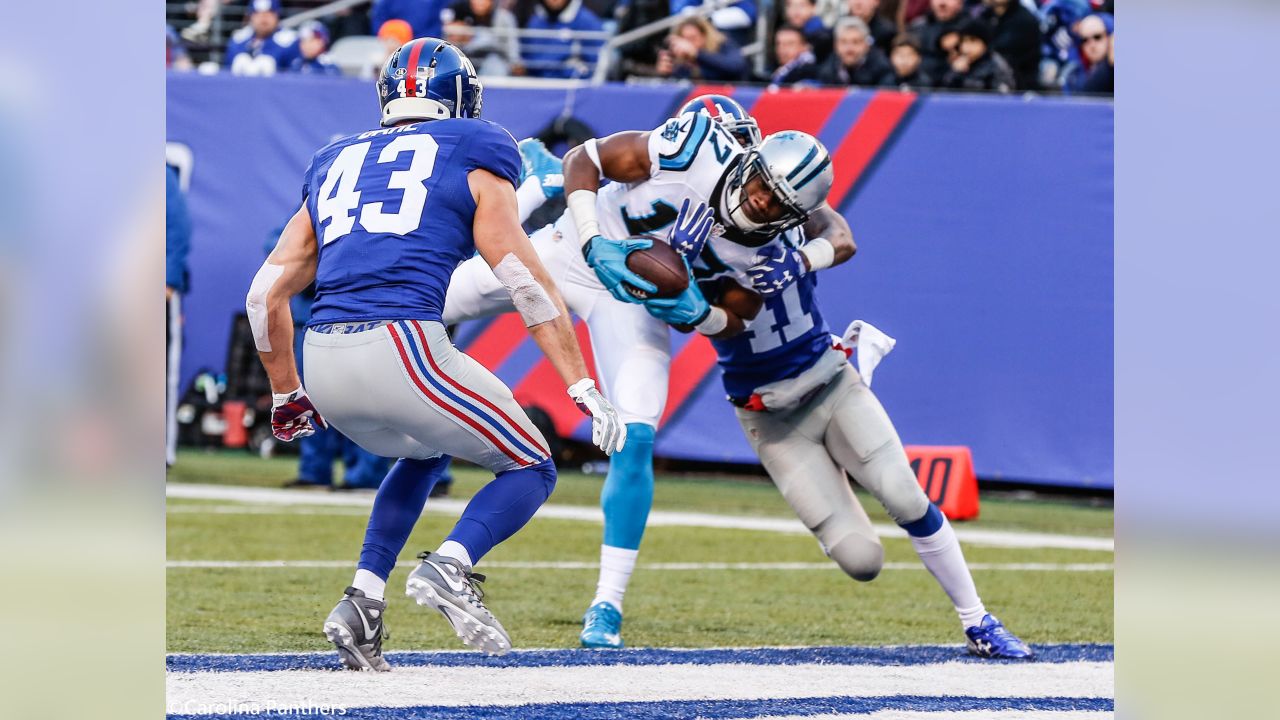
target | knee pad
[
  {"x": 860, "y": 557},
  {"x": 545, "y": 469}
]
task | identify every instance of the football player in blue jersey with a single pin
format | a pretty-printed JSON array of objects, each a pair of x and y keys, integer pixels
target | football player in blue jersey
[
  {"x": 807, "y": 412},
  {"x": 261, "y": 47},
  {"x": 386, "y": 216}
]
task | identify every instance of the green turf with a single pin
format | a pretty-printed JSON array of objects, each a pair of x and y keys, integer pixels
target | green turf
[
  {"x": 262, "y": 610},
  {"x": 694, "y": 493}
]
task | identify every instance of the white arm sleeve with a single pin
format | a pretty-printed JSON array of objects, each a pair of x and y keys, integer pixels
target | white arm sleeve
[
  {"x": 255, "y": 304},
  {"x": 529, "y": 198},
  {"x": 529, "y": 297}
]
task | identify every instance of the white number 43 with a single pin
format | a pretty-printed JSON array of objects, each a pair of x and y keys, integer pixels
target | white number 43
[{"x": 339, "y": 196}]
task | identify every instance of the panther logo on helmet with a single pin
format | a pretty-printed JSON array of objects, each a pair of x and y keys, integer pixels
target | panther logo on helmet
[{"x": 794, "y": 167}]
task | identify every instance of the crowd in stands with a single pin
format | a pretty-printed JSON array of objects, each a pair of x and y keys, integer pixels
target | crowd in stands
[{"x": 973, "y": 45}]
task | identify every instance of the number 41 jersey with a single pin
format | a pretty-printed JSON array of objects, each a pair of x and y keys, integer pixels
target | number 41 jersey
[{"x": 392, "y": 213}]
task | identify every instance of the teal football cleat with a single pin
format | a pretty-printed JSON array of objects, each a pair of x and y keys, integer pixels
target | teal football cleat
[
  {"x": 537, "y": 161},
  {"x": 602, "y": 627},
  {"x": 990, "y": 639}
]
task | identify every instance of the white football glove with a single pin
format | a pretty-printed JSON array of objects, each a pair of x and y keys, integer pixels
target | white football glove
[{"x": 607, "y": 431}]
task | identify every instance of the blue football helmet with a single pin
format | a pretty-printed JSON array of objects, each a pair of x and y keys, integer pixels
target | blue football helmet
[
  {"x": 730, "y": 114},
  {"x": 428, "y": 79}
]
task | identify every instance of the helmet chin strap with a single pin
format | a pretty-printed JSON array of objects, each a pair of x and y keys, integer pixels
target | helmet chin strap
[{"x": 733, "y": 201}]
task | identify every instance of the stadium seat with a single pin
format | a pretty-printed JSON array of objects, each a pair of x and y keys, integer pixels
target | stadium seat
[{"x": 354, "y": 53}]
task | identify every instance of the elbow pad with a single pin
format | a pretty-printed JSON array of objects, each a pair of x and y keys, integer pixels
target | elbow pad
[
  {"x": 529, "y": 297},
  {"x": 255, "y": 303}
]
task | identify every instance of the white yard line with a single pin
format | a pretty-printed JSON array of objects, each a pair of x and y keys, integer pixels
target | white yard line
[
  {"x": 409, "y": 686},
  {"x": 283, "y": 497},
  {"x": 566, "y": 565}
]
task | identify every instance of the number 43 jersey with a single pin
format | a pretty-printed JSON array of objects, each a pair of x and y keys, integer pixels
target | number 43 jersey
[
  {"x": 392, "y": 213},
  {"x": 788, "y": 335}
]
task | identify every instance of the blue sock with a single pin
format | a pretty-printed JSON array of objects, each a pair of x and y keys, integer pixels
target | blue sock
[
  {"x": 628, "y": 489},
  {"x": 927, "y": 525},
  {"x": 396, "y": 509},
  {"x": 502, "y": 507}
]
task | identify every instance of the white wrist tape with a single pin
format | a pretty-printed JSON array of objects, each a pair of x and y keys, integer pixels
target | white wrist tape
[
  {"x": 582, "y": 203},
  {"x": 255, "y": 303},
  {"x": 278, "y": 399},
  {"x": 529, "y": 198},
  {"x": 820, "y": 253},
  {"x": 593, "y": 152},
  {"x": 528, "y": 295},
  {"x": 715, "y": 322}
]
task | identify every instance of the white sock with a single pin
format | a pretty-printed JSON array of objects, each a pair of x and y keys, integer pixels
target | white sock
[
  {"x": 941, "y": 554},
  {"x": 616, "y": 565},
  {"x": 451, "y": 549},
  {"x": 371, "y": 585}
]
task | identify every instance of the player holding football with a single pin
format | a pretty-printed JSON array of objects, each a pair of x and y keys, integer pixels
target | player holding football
[
  {"x": 386, "y": 217},
  {"x": 805, "y": 410},
  {"x": 668, "y": 185}
]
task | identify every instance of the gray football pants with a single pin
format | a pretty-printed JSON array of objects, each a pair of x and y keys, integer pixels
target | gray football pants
[
  {"x": 807, "y": 452},
  {"x": 404, "y": 390}
]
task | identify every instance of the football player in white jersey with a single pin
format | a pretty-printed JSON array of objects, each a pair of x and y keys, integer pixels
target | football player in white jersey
[
  {"x": 809, "y": 415},
  {"x": 660, "y": 181}
]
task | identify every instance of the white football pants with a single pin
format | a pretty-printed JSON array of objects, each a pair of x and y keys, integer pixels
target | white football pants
[{"x": 632, "y": 348}]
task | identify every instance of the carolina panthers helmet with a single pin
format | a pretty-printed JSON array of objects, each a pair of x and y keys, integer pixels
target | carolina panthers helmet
[
  {"x": 795, "y": 167},
  {"x": 428, "y": 79},
  {"x": 730, "y": 114}
]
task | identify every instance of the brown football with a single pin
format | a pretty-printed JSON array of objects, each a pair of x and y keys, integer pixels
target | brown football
[{"x": 662, "y": 266}]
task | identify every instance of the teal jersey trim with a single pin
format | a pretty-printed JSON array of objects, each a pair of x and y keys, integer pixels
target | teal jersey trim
[{"x": 689, "y": 148}]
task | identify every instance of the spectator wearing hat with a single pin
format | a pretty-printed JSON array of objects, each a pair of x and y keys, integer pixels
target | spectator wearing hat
[
  {"x": 696, "y": 50},
  {"x": 855, "y": 61},
  {"x": 976, "y": 67},
  {"x": 943, "y": 16},
  {"x": 423, "y": 16},
  {"x": 883, "y": 30},
  {"x": 561, "y": 56},
  {"x": 313, "y": 46},
  {"x": 1098, "y": 73},
  {"x": 261, "y": 47},
  {"x": 907, "y": 60},
  {"x": 1016, "y": 38},
  {"x": 487, "y": 34},
  {"x": 794, "y": 54},
  {"x": 803, "y": 15}
]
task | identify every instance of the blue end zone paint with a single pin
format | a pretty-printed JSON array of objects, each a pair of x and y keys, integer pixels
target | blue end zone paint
[
  {"x": 909, "y": 655},
  {"x": 710, "y": 709}
]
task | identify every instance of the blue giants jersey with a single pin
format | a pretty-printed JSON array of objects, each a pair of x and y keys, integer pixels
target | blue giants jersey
[
  {"x": 392, "y": 213},
  {"x": 786, "y": 338}
]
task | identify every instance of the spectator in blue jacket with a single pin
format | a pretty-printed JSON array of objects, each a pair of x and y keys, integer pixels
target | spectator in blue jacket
[
  {"x": 697, "y": 51},
  {"x": 261, "y": 47},
  {"x": 313, "y": 42},
  {"x": 561, "y": 57},
  {"x": 177, "y": 242},
  {"x": 803, "y": 14},
  {"x": 422, "y": 15}
]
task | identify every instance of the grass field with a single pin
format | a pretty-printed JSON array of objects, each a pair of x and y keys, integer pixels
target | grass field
[{"x": 245, "y": 609}]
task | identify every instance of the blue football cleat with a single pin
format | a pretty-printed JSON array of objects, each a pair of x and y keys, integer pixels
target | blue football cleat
[
  {"x": 602, "y": 627},
  {"x": 990, "y": 639},
  {"x": 537, "y": 161}
]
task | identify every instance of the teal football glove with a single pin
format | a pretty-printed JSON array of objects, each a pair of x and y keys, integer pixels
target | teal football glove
[
  {"x": 537, "y": 161},
  {"x": 687, "y": 308},
  {"x": 609, "y": 259}
]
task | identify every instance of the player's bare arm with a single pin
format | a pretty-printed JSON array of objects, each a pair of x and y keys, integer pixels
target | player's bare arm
[
  {"x": 502, "y": 243},
  {"x": 824, "y": 223},
  {"x": 623, "y": 157},
  {"x": 289, "y": 269}
]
